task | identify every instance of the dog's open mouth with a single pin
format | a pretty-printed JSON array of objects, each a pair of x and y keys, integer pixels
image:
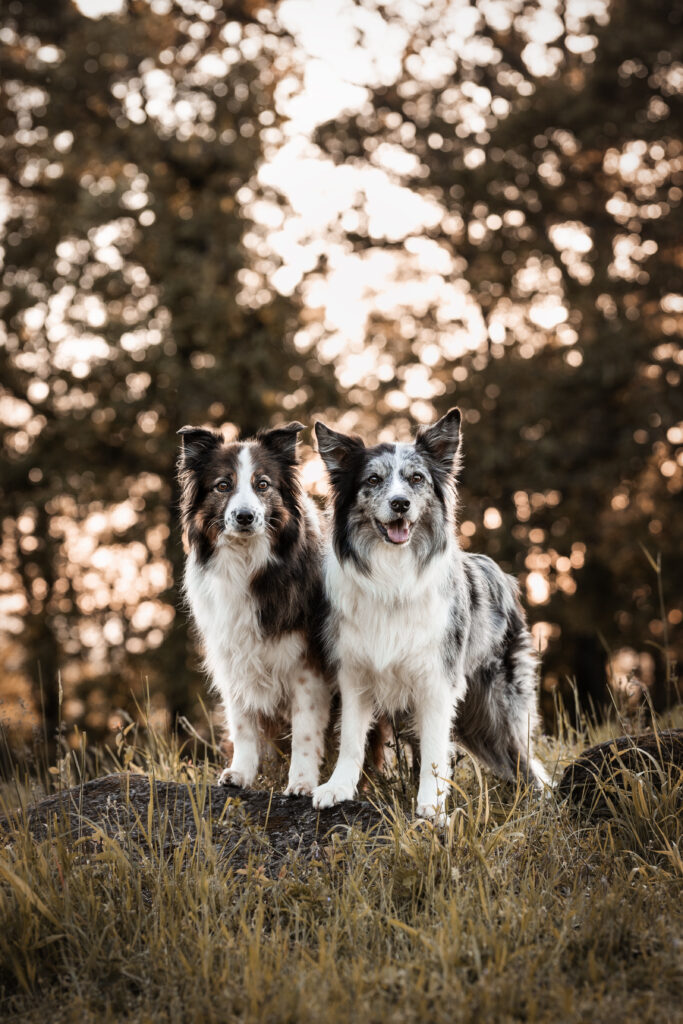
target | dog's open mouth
[{"x": 397, "y": 531}]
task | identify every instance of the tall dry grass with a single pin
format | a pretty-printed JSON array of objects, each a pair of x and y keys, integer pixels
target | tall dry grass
[{"x": 520, "y": 910}]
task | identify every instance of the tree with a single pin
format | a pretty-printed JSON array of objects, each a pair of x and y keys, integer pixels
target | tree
[
  {"x": 553, "y": 148},
  {"x": 133, "y": 306}
]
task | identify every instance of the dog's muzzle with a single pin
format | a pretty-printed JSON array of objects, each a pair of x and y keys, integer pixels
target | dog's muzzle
[{"x": 244, "y": 521}]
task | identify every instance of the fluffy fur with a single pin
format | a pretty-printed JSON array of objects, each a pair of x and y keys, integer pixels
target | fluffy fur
[
  {"x": 253, "y": 583},
  {"x": 416, "y": 624}
]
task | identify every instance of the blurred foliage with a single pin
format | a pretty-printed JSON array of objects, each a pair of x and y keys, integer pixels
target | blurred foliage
[
  {"x": 563, "y": 216},
  {"x": 121, "y": 294},
  {"x": 132, "y": 305}
]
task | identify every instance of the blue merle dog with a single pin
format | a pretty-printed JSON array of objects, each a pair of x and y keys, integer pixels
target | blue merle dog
[{"x": 415, "y": 624}]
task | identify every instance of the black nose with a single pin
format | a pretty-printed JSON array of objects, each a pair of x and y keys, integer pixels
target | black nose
[
  {"x": 400, "y": 505},
  {"x": 244, "y": 517}
]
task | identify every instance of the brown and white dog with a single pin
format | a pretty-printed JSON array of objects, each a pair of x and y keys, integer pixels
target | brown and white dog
[{"x": 253, "y": 583}]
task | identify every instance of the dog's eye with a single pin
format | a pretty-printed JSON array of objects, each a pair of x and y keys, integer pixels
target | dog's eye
[
  {"x": 222, "y": 486},
  {"x": 262, "y": 485},
  {"x": 416, "y": 478},
  {"x": 373, "y": 480}
]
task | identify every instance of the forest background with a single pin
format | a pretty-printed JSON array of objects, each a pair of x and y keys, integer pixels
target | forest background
[{"x": 240, "y": 213}]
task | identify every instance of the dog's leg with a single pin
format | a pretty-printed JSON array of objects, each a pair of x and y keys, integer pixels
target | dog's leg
[
  {"x": 356, "y": 715},
  {"x": 433, "y": 717},
  {"x": 310, "y": 715},
  {"x": 244, "y": 733},
  {"x": 542, "y": 780}
]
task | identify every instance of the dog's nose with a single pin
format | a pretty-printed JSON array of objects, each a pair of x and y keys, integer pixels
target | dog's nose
[
  {"x": 400, "y": 505},
  {"x": 244, "y": 517}
]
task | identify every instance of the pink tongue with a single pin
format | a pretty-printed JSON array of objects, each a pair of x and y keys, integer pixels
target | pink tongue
[{"x": 398, "y": 532}]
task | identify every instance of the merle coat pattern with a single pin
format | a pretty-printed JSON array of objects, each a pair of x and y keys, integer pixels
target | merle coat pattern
[
  {"x": 416, "y": 624},
  {"x": 253, "y": 583}
]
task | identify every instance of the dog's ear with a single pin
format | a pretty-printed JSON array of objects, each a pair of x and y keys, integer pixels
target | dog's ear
[
  {"x": 442, "y": 440},
  {"x": 195, "y": 444},
  {"x": 282, "y": 440},
  {"x": 337, "y": 450}
]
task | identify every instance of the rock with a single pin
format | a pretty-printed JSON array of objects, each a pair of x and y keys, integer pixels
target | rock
[
  {"x": 604, "y": 769},
  {"x": 239, "y": 823}
]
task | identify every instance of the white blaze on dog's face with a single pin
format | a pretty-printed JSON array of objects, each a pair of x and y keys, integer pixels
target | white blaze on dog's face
[
  {"x": 396, "y": 494},
  {"x": 245, "y": 511}
]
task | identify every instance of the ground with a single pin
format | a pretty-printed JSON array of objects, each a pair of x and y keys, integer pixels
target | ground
[{"x": 524, "y": 909}]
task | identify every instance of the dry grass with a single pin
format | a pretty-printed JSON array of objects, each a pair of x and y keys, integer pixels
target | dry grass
[{"x": 520, "y": 911}]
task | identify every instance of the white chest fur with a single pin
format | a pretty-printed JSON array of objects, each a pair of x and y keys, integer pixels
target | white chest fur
[
  {"x": 392, "y": 624},
  {"x": 245, "y": 667}
]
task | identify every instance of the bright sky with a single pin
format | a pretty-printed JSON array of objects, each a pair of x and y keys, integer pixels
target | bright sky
[
  {"x": 99, "y": 8},
  {"x": 343, "y": 49}
]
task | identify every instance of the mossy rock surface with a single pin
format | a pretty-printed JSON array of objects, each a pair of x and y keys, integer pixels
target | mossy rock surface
[
  {"x": 603, "y": 770},
  {"x": 144, "y": 814}
]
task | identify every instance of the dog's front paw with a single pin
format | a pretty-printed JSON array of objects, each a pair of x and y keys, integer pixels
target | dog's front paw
[
  {"x": 235, "y": 777},
  {"x": 434, "y": 812},
  {"x": 332, "y": 793},
  {"x": 300, "y": 787}
]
